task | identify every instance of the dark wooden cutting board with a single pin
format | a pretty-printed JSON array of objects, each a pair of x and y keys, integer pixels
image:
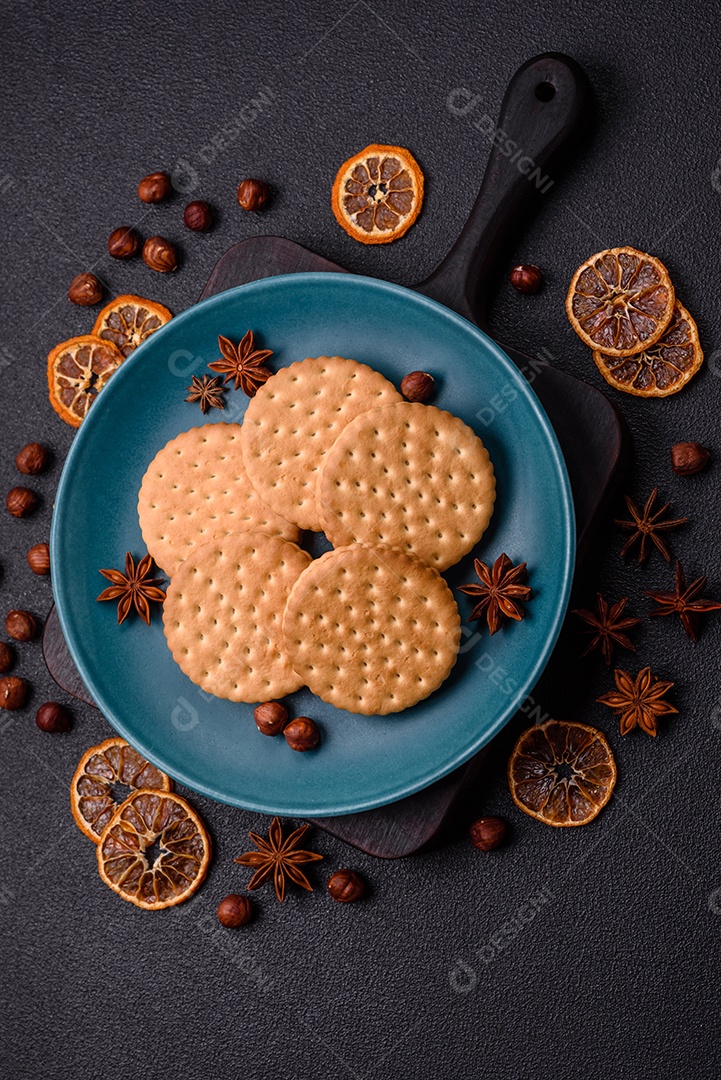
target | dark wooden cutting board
[{"x": 546, "y": 104}]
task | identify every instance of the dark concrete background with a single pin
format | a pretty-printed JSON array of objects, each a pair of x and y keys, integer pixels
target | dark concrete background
[{"x": 592, "y": 951}]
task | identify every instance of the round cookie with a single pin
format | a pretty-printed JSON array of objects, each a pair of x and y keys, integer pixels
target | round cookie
[
  {"x": 293, "y": 421},
  {"x": 371, "y": 629},
  {"x": 196, "y": 488},
  {"x": 409, "y": 475},
  {"x": 222, "y": 616}
]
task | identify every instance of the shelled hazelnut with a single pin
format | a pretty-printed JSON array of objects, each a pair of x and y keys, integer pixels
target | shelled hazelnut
[
  {"x": 21, "y": 625},
  {"x": 155, "y": 187},
  {"x": 20, "y": 502},
  {"x": 346, "y": 886},
  {"x": 270, "y": 717},
  {"x": 234, "y": 910},
  {"x": 123, "y": 243},
  {"x": 301, "y": 734},
  {"x": 13, "y": 692},
  {"x": 39, "y": 559},
  {"x": 418, "y": 386},
  {"x": 688, "y": 458},
  {"x": 253, "y": 194},
  {"x": 32, "y": 459},
  {"x": 487, "y": 833},
  {"x": 85, "y": 290},
  {"x": 53, "y": 718},
  {"x": 198, "y": 216},
  {"x": 526, "y": 279},
  {"x": 7, "y": 656},
  {"x": 159, "y": 254}
]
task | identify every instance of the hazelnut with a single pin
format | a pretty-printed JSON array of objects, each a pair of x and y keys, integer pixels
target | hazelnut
[
  {"x": 234, "y": 910},
  {"x": 53, "y": 718},
  {"x": 39, "y": 559},
  {"x": 526, "y": 279},
  {"x": 301, "y": 734},
  {"x": 418, "y": 386},
  {"x": 270, "y": 717},
  {"x": 85, "y": 290},
  {"x": 159, "y": 254},
  {"x": 21, "y": 501},
  {"x": 32, "y": 459},
  {"x": 13, "y": 692},
  {"x": 7, "y": 656},
  {"x": 688, "y": 458},
  {"x": 21, "y": 625},
  {"x": 253, "y": 194},
  {"x": 487, "y": 833},
  {"x": 155, "y": 187},
  {"x": 345, "y": 886},
  {"x": 198, "y": 216},
  {"x": 124, "y": 242}
]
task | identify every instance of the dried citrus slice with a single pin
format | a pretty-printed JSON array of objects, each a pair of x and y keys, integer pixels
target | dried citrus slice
[
  {"x": 620, "y": 301},
  {"x": 128, "y": 320},
  {"x": 78, "y": 370},
  {"x": 101, "y": 771},
  {"x": 561, "y": 773},
  {"x": 145, "y": 819},
  {"x": 378, "y": 193},
  {"x": 662, "y": 369}
]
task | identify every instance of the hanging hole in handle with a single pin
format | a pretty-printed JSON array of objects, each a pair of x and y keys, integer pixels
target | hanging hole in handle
[{"x": 545, "y": 91}]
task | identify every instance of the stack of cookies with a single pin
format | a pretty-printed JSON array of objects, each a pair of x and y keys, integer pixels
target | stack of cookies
[{"x": 401, "y": 490}]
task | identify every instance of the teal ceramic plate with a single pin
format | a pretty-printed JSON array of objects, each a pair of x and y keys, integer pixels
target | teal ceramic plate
[{"x": 363, "y": 761}]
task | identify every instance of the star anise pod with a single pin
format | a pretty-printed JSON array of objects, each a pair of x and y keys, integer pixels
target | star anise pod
[
  {"x": 242, "y": 363},
  {"x": 278, "y": 858},
  {"x": 685, "y": 601},
  {"x": 647, "y": 525},
  {"x": 207, "y": 392},
  {"x": 607, "y": 626},
  {"x": 639, "y": 700},
  {"x": 133, "y": 589},
  {"x": 500, "y": 590}
]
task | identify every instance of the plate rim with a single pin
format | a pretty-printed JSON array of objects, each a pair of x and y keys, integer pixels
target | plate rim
[{"x": 569, "y": 553}]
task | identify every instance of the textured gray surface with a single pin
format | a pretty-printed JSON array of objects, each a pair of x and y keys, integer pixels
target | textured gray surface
[{"x": 592, "y": 951}]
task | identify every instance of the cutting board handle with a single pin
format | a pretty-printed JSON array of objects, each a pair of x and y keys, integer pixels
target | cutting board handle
[{"x": 547, "y": 102}]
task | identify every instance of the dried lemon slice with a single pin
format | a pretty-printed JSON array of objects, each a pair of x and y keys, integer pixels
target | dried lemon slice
[
  {"x": 78, "y": 370},
  {"x": 561, "y": 773},
  {"x": 128, "y": 320},
  {"x": 100, "y": 771},
  {"x": 662, "y": 369},
  {"x": 620, "y": 301},
  {"x": 378, "y": 194},
  {"x": 145, "y": 819}
]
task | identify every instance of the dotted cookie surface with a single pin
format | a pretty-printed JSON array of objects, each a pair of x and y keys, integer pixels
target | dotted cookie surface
[
  {"x": 196, "y": 488},
  {"x": 371, "y": 629},
  {"x": 409, "y": 475},
  {"x": 223, "y": 612},
  {"x": 295, "y": 418}
]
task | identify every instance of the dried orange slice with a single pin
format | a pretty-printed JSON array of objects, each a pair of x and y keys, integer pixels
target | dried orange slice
[
  {"x": 662, "y": 369},
  {"x": 101, "y": 771},
  {"x": 378, "y": 194},
  {"x": 620, "y": 301},
  {"x": 145, "y": 819},
  {"x": 78, "y": 370},
  {"x": 561, "y": 773},
  {"x": 128, "y": 320}
]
